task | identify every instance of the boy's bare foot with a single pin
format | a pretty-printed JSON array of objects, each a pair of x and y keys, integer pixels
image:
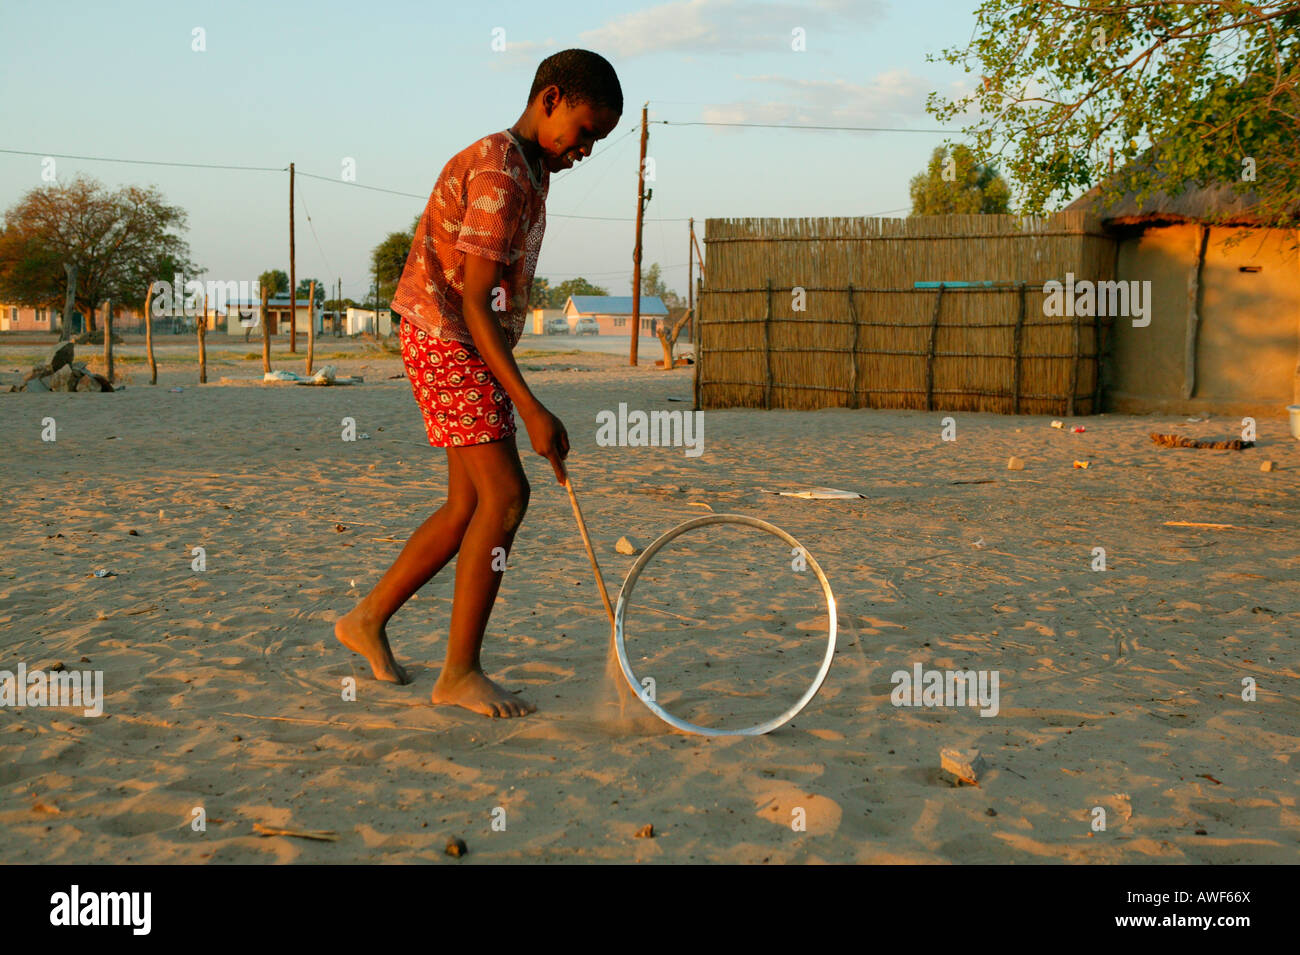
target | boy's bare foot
[
  {"x": 474, "y": 691},
  {"x": 363, "y": 636}
]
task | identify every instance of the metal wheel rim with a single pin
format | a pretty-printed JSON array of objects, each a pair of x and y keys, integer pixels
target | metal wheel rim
[{"x": 626, "y": 592}]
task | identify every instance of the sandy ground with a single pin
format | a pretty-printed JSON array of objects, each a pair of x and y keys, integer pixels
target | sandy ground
[{"x": 1119, "y": 689}]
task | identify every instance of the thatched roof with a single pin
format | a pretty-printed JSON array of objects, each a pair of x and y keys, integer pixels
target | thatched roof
[{"x": 1193, "y": 203}]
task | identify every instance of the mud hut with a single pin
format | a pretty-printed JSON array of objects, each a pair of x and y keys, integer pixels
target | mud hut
[{"x": 1223, "y": 335}]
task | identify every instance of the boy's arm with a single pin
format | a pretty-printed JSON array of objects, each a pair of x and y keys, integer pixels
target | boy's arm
[
  {"x": 482, "y": 276},
  {"x": 549, "y": 439}
]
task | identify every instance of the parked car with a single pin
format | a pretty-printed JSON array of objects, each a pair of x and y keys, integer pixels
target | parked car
[
  {"x": 557, "y": 326},
  {"x": 587, "y": 326}
]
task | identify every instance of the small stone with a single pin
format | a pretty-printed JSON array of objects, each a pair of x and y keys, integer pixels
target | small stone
[
  {"x": 625, "y": 546},
  {"x": 237, "y": 738},
  {"x": 646, "y": 832},
  {"x": 61, "y": 380},
  {"x": 456, "y": 847},
  {"x": 1201, "y": 832},
  {"x": 133, "y": 532},
  {"x": 57, "y": 667},
  {"x": 85, "y": 659},
  {"x": 1268, "y": 466},
  {"x": 990, "y": 811},
  {"x": 1015, "y": 464},
  {"x": 965, "y": 764}
]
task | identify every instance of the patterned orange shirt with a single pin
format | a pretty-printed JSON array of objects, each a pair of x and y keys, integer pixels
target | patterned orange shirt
[{"x": 488, "y": 201}]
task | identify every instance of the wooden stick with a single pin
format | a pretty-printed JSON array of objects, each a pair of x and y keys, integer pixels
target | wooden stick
[
  {"x": 586, "y": 542},
  {"x": 322, "y": 835},
  {"x": 929, "y": 361}
]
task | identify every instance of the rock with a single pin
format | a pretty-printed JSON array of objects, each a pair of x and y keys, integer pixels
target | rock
[
  {"x": 62, "y": 379},
  {"x": 36, "y": 384},
  {"x": 646, "y": 832},
  {"x": 88, "y": 383},
  {"x": 63, "y": 355},
  {"x": 965, "y": 764},
  {"x": 40, "y": 371},
  {"x": 1015, "y": 464},
  {"x": 625, "y": 546},
  {"x": 456, "y": 847},
  {"x": 104, "y": 383},
  {"x": 1268, "y": 466}
]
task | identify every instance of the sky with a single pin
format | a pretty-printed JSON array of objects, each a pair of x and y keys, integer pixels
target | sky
[{"x": 399, "y": 87}]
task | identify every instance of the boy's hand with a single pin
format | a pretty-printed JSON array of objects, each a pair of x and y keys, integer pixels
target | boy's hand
[{"x": 549, "y": 438}]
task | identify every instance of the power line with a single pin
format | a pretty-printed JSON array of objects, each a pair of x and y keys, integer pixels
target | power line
[
  {"x": 797, "y": 126},
  {"x": 320, "y": 248},
  {"x": 147, "y": 162}
]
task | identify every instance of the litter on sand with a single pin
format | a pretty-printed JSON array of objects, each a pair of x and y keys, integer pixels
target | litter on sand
[
  {"x": 817, "y": 494},
  {"x": 1178, "y": 441},
  {"x": 329, "y": 375},
  {"x": 1082, "y": 465}
]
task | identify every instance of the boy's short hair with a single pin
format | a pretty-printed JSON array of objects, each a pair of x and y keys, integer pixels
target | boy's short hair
[{"x": 582, "y": 76}]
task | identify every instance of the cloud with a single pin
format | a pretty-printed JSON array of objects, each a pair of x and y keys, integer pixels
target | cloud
[
  {"x": 724, "y": 26},
  {"x": 890, "y": 99}
]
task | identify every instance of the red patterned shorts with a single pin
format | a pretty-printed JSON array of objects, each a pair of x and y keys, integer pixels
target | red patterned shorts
[{"x": 460, "y": 399}]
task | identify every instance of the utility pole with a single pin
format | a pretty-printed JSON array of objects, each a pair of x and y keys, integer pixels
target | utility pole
[
  {"x": 636, "y": 251},
  {"x": 293, "y": 276},
  {"x": 690, "y": 279}
]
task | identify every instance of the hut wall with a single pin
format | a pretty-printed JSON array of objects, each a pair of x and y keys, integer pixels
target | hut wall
[
  {"x": 1247, "y": 358},
  {"x": 867, "y": 338}
]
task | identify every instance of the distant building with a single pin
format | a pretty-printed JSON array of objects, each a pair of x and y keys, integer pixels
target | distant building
[
  {"x": 614, "y": 312},
  {"x": 24, "y": 318},
  {"x": 360, "y": 321}
]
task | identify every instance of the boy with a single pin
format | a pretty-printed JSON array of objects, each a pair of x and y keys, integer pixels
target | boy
[{"x": 462, "y": 298}]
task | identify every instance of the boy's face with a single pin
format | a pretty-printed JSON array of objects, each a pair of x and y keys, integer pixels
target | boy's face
[{"x": 567, "y": 132}]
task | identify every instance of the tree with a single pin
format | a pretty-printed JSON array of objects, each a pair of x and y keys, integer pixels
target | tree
[
  {"x": 653, "y": 284},
  {"x": 1212, "y": 88},
  {"x": 304, "y": 289},
  {"x": 116, "y": 240},
  {"x": 578, "y": 286},
  {"x": 540, "y": 296},
  {"x": 275, "y": 281},
  {"x": 388, "y": 258},
  {"x": 955, "y": 184}
]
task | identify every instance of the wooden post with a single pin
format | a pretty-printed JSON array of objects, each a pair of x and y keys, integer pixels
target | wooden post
[
  {"x": 636, "y": 250},
  {"x": 690, "y": 278},
  {"x": 1074, "y": 368},
  {"x": 293, "y": 278},
  {"x": 696, "y": 333},
  {"x": 1193, "y": 314},
  {"x": 311, "y": 326},
  {"x": 266, "y": 334},
  {"x": 767, "y": 348},
  {"x": 853, "y": 353},
  {"x": 69, "y": 302},
  {"x": 1017, "y": 350},
  {"x": 148, "y": 335},
  {"x": 108, "y": 342},
  {"x": 929, "y": 358},
  {"x": 203, "y": 344}
]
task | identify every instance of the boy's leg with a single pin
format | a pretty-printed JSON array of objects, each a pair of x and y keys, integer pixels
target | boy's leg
[
  {"x": 427, "y": 551},
  {"x": 502, "y": 489}
]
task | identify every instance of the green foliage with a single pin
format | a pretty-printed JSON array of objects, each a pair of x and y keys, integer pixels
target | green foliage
[
  {"x": 579, "y": 286},
  {"x": 387, "y": 260},
  {"x": 955, "y": 184},
  {"x": 119, "y": 241},
  {"x": 275, "y": 281},
  {"x": 304, "y": 289},
  {"x": 1206, "y": 86},
  {"x": 652, "y": 284},
  {"x": 540, "y": 296}
]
